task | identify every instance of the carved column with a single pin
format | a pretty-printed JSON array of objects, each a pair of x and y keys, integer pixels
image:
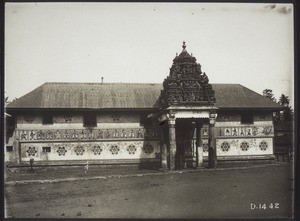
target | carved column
[
  {"x": 164, "y": 149},
  {"x": 199, "y": 147},
  {"x": 172, "y": 143},
  {"x": 212, "y": 154}
]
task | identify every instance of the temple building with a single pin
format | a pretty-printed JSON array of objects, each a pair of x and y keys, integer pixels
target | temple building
[{"x": 182, "y": 123}]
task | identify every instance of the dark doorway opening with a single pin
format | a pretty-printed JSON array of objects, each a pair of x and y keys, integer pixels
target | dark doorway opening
[{"x": 186, "y": 148}]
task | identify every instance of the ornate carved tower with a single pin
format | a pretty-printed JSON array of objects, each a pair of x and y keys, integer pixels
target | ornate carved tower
[{"x": 186, "y": 84}]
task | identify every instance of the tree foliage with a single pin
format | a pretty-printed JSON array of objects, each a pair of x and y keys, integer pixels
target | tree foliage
[
  {"x": 268, "y": 93},
  {"x": 287, "y": 114}
]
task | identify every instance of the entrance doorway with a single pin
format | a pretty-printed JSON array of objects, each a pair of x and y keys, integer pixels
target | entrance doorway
[{"x": 186, "y": 148}]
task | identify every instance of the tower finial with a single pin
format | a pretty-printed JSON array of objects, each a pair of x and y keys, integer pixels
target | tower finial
[{"x": 183, "y": 46}]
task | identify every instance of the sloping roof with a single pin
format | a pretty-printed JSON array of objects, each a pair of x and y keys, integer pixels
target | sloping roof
[{"x": 128, "y": 95}]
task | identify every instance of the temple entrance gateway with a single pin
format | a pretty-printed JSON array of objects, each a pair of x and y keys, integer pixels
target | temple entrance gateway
[{"x": 186, "y": 99}]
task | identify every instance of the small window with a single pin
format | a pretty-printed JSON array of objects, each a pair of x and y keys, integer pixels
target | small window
[
  {"x": 90, "y": 120},
  {"x": 47, "y": 149},
  {"x": 47, "y": 119},
  {"x": 247, "y": 118},
  {"x": 145, "y": 120},
  {"x": 9, "y": 148}
]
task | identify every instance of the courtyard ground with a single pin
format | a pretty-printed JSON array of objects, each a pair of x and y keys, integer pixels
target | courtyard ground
[{"x": 132, "y": 192}]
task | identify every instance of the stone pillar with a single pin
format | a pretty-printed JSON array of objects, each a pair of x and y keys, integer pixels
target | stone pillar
[
  {"x": 163, "y": 149},
  {"x": 199, "y": 147},
  {"x": 212, "y": 154},
  {"x": 17, "y": 147},
  {"x": 195, "y": 147},
  {"x": 172, "y": 143}
]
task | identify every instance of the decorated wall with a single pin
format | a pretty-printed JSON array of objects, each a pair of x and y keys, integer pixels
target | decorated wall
[
  {"x": 105, "y": 150},
  {"x": 124, "y": 136}
]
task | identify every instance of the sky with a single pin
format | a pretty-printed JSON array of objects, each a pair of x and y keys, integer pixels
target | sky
[{"x": 250, "y": 44}]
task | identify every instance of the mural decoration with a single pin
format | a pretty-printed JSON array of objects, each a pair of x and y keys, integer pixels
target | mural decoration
[
  {"x": 245, "y": 131},
  {"x": 114, "y": 149},
  {"x": 263, "y": 145},
  {"x": 235, "y": 143},
  {"x": 123, "y": 134},
  {"x": 131, "y": 149},
  {"x": 148, "y": 149},
  {"x": 67, "y": 118},
  {"x": 244, "y": 146},
  {"x": 41, "y": 135},
  {"x": 57, "y": 135},
  {"x": 131, "y": 134},
  {"x": 31, "y": 151},
  {"x": 234, "y": 131},
  {"x": 115, "y": 134},
  {"x": 23, "y": 135},
  {"x": 89, "y": 134},
  {"x": 79, "y": 150},
  {"x": 225, "y": 146},
  {"x": 205, "y": 146},
  {"x": 49, "y": 135},
  {"x": 91, "y": 150},
  {"x": 249, "y": 131},
  {"x": 139, "y": 134},
  {"x": 32, "y": 135},
  {"x": 252, "y": 143},
  {"x": 242, "y": 131},
  {"x": 61, "y": 151},
  {"x": 227, "y": 131},
  {"x": 97, "y": 150},
  {"x": 205, "y": 132},
  {"x": 268, "y": 130},
  {"x": 254, "y": 131}
]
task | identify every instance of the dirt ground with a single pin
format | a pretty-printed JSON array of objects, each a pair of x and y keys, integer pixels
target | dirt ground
[{"x": 264, "y": 191}]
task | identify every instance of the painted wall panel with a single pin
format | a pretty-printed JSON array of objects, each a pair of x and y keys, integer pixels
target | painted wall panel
[
  {"x": 107, "y": 150},
  {"x": 244, "y": 146}
]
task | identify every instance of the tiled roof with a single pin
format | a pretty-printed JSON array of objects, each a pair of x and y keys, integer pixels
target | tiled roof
[{"x": 128, "y": 95}]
